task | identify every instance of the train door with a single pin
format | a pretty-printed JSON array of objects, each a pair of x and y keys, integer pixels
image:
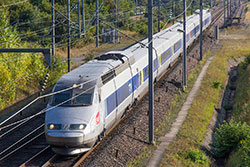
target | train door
[
  {"x": 109, "y": 99},
  {"x": 124, "y": 91}
]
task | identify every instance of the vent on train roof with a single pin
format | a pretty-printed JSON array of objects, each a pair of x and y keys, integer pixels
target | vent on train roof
[{"x": 111, "y": 56}]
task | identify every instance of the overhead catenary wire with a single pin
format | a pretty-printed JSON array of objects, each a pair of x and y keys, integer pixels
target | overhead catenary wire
[
  {"x": 132, "y": 37},
  {"x": 43, "y": 111}
]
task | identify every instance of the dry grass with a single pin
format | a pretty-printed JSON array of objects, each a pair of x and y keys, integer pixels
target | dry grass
[{"x": 83, "y": 50}]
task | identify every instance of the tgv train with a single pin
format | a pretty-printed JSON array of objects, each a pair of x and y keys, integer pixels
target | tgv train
[{"x": 92, "y": 97}]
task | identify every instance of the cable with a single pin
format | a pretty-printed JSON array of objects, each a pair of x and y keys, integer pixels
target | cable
[
  {"x": 41, "y": 112},
  {"x": 43, "y": 96}
]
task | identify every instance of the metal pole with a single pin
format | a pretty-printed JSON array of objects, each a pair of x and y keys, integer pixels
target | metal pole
[
  {"x": 117, "y": 15},
  {"x": 79, "y": 20},
  {"x": 184, "y": 75},
  {"x": 173, "y": 10},
  {"x": 97, "y": 23},
  {"x": 116, "y": 20},
  {"x": 227, "y": 10},
  {"x": 201, "y": 27},
  {"x": 150, "y": 85},
  {"x": 68, "y": 29},
  {"x": 230, "y": 9},
  {"x": 83, "y": 18},
  {"x": 192, "y": 7},
  {"x": 159, "y": 19},
  {"x": 224, "y": 3},
  {"x": 53, "y": 27}
]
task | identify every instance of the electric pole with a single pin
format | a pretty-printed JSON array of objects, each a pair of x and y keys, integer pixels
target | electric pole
[
  {"x": 184, "y": 62},
  {"x": 68, "y": 29},
  {"x": 201, "y": 27},
  {"x": 79, "y": 19},
  {"x": 150, "y": 61},
  {"x": 53, "y": 27},
  {"x": 83, "y": 18},
  {"x": 97, "y": 24},
  {"x": 159, "y": 19}
]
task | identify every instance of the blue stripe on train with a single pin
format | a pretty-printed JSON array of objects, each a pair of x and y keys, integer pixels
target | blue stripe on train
[{"x": 117, "y": 97}]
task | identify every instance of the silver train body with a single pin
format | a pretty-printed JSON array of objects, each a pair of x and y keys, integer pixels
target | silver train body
[{"x": 109, "y": 84}]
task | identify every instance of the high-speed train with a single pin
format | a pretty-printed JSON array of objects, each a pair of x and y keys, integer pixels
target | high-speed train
[{"x": 91, "y": 98}]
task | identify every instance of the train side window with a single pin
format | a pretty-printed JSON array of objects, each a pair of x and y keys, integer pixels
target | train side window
[
  {"x": 165, "y": 55},
  {"x": 187, "y": 37},
  {"x": 192, "y": 33},
  {"x": 155, "y": 64},
  {"x": 108, "y": 76},
  {"x": 145, "y": 73},
  {"x": 177, "y": 46},
  {"x": 99, "y": 96},
  {"x": 139, "y": 79}
]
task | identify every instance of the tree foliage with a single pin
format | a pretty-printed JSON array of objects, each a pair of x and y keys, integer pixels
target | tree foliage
[{"x": 18, "y": 70}]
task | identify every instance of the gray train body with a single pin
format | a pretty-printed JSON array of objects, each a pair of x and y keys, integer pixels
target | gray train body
[{"x": 107, "y": 86}]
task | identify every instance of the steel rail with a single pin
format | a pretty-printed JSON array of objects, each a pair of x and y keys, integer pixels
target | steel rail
[
  {"x": 167, "y": 72},
  {"x": 48, "y": 163},
  {"x": 19, "y": 141},
  {"x": 15, "y": 127},
  {"x": 26, "y": 163},
  {"x": 22, "y": 146}
]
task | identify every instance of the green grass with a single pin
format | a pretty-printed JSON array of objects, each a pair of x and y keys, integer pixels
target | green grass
[
  {"x": 193, "y": 131},
  {"x": 242, "y": 99},
  {"x": 241, "y": 114},
  {"x": 190, "y": 137},
  {"x": 170, "y": 117}
]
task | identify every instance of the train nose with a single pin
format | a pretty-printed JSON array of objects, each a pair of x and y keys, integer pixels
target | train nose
[{"x": 65, "y": 139}]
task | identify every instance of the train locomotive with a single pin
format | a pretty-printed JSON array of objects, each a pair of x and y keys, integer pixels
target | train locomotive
[{"x": 89, "y": 100}]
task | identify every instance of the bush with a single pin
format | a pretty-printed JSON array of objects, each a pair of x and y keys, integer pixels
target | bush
[
  {"x": 196, "y": 156},
  {"x": 228, "y": 107},
  {"x": 217, "y": 84},
  {"x": 232, "y": 87},
  {"x": 246, "y": 62},
  {"x": 228, "y": 136},
  {"x": 244, "y": 151}
]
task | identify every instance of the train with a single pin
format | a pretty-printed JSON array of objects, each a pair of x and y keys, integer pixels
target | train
[{"x": 90, "y": 99}]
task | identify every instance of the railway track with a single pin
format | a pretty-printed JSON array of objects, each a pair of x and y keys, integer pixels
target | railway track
[
  {"x": 78, "y": 160},
  {"x": 24, "y": 148},
  {"x": 33, "y": 150},
  {"x": 217, "y": 16},
  {"x": 20, "y": 141}
]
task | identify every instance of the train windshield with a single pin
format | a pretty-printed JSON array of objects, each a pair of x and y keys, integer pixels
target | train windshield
[
  {"x": 83, "y": 99},
  {"x": 61, "y": 99},
  {"x": 66, "y": 99}
]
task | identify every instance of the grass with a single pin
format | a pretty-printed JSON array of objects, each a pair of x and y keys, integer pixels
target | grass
[
  {"x": 242, "y": 99},
  {"x": 190, "y": 137},
  {"x": 170, "y": 117},
  {"x": 241, "y": 109}
]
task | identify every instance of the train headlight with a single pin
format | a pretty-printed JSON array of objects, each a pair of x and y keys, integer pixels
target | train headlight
[
  {"x": 54, "y": 126},
  {"x": 81, "y": 127},
  {"x": 77, "y": 126},
  {"x": 51, "y": 126}
]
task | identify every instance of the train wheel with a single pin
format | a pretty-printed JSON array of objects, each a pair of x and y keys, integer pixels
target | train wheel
[
  {"x": 135, "y": 102},
  {"x": 102, "y": 135}
]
